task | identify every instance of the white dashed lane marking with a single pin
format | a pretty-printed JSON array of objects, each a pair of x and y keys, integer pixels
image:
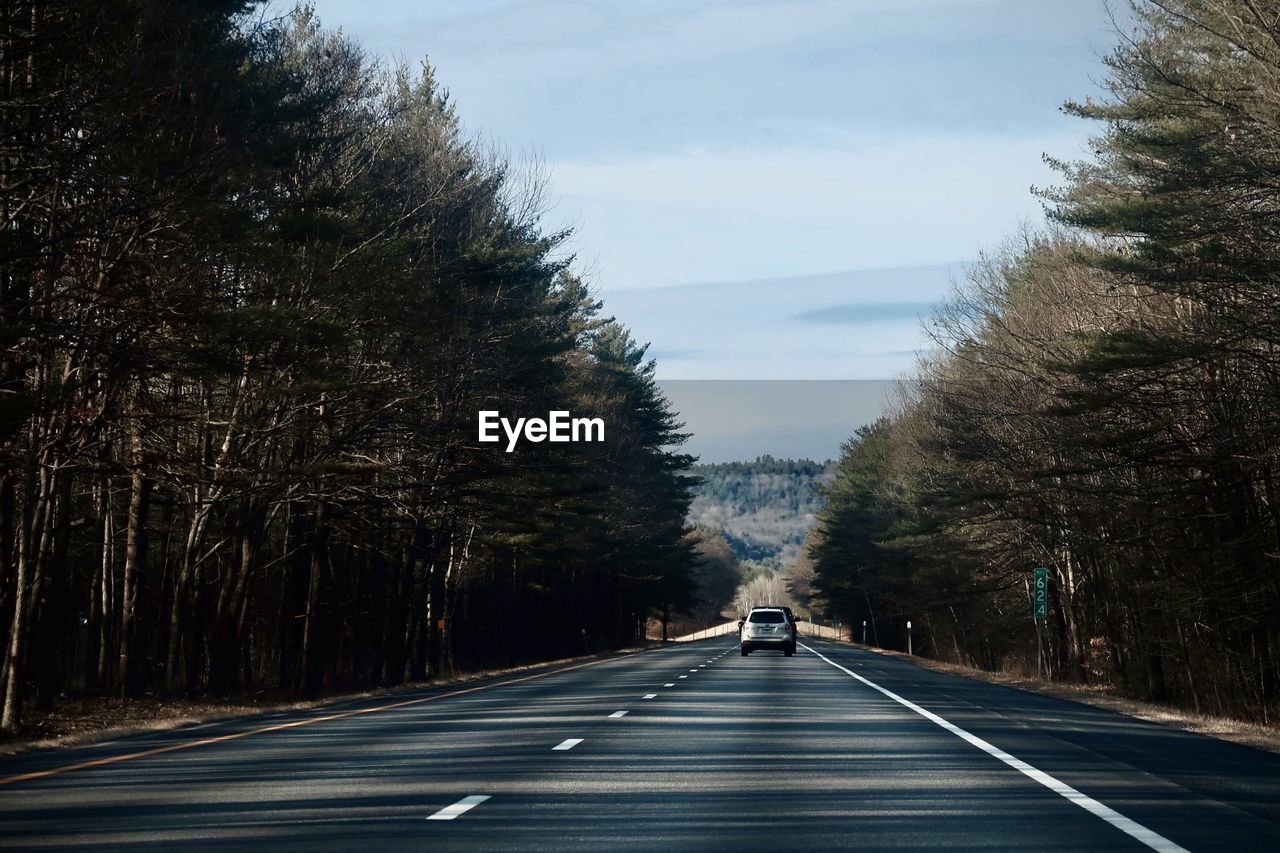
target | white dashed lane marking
[
  {"x": 566, "y": 744},
  {"x": 462, "y": 806},
  {"x": 617, "y": 714}
]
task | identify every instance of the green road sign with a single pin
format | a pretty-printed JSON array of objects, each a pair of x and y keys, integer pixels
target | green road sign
[{"x": 1040, "y": 593}]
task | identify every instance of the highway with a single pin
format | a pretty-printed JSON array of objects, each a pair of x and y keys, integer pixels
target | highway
[{"x": 686, "y": 747}]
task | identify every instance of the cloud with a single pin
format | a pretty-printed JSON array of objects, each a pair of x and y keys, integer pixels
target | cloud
[
  {"x": 855, "y": 313},
  {"x": 761, "y": 142},
  {"x": 682, "y": 354},
  {"x": 582, "y": 78},
  {"x": 740, "y": 213},
  {"x": 568, "y": 38},
  {"x": 747, "y": 329}
]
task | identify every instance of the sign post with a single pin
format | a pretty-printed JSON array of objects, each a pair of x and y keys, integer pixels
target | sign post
[
  {"x": 1039, "y": 611},
  {"x": 908, "y": 637}
]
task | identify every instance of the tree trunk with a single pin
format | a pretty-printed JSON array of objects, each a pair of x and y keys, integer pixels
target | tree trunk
[
  {"x": 314, "y": 645},
  {"x": 107, "y": 591},
  {"x": 135, "y": 556}
]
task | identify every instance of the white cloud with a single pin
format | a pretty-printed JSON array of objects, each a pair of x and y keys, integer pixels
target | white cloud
[
  {"x": 737, "y": 140},
  {"x": 750, "y": 330},
  {"x": 877, "y": 201}
]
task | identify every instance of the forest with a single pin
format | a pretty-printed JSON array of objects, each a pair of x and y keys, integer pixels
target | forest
[
  {"x": 763, "y": 508},
  {"x": 1102, "y": 401},
  {"x": 254, "y": 288}
]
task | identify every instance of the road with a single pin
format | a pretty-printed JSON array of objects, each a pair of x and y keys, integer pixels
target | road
[{"x": 687, "y": 747}]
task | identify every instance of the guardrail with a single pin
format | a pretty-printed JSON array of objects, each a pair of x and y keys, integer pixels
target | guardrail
[
  {"x": 825, "y": 632},
  {"x": 806, "y": 629},
  {"x": 728, "y": 628}
]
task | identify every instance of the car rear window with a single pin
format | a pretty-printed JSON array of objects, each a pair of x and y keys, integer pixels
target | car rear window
[{"x": 773, "y": 616}]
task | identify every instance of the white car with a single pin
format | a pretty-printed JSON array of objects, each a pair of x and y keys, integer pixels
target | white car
[{"x": 768, "y": 628}]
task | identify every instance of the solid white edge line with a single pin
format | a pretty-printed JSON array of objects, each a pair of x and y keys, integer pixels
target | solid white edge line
[
  {"x": 1152, "y": 839},
  {"x": 617, "y": 714},
  {"x": 462, "y": 806},
  {"x": 570, "y": 743}
]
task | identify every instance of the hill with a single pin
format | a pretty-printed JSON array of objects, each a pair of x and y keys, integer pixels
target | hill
[{"x": 764, "y": 507}]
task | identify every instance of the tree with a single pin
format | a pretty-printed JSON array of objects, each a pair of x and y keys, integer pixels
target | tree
[{"x": 256, "y": 288}]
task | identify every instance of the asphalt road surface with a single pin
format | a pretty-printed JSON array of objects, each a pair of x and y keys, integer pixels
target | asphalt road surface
[{"x": 691, "y": 747}]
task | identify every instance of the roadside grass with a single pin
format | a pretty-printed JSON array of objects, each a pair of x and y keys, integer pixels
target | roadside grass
[
  {"x": 1105, "y": 696},
  {"x": 89, "y": 719}
]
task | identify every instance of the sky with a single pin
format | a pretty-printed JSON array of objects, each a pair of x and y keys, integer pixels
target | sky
[
  {"x": 740, "y": 419},
  {"x": 767, "y": 189}
]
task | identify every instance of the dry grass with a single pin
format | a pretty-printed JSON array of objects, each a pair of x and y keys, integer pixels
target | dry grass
[
  {"x": 1102, "y": 696},
  {"x": 93, "y": 719}
]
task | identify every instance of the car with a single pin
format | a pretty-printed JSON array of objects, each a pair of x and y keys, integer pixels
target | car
[
  {"x": 768, "y": 628},
  {"x": 791, "y": 620}
]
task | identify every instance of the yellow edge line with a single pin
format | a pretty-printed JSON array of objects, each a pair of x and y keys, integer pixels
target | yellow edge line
[{"x": 114, "y": 759}]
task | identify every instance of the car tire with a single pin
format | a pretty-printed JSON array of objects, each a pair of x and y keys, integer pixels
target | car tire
[
  {"x": 745, "y": 651},
  {"x": 788, "y": 651}
]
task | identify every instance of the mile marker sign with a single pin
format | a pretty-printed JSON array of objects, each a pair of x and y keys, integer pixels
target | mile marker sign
[{"x": 1040, "y": 593}]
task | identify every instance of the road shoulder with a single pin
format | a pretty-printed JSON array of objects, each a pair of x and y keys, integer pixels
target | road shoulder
[
  {"x": 98, "y": 719},
  {"x": 1099, "y": 696}
]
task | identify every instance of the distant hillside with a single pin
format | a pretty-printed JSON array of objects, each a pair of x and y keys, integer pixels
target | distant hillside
[{"x": 764, "y": 508}]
